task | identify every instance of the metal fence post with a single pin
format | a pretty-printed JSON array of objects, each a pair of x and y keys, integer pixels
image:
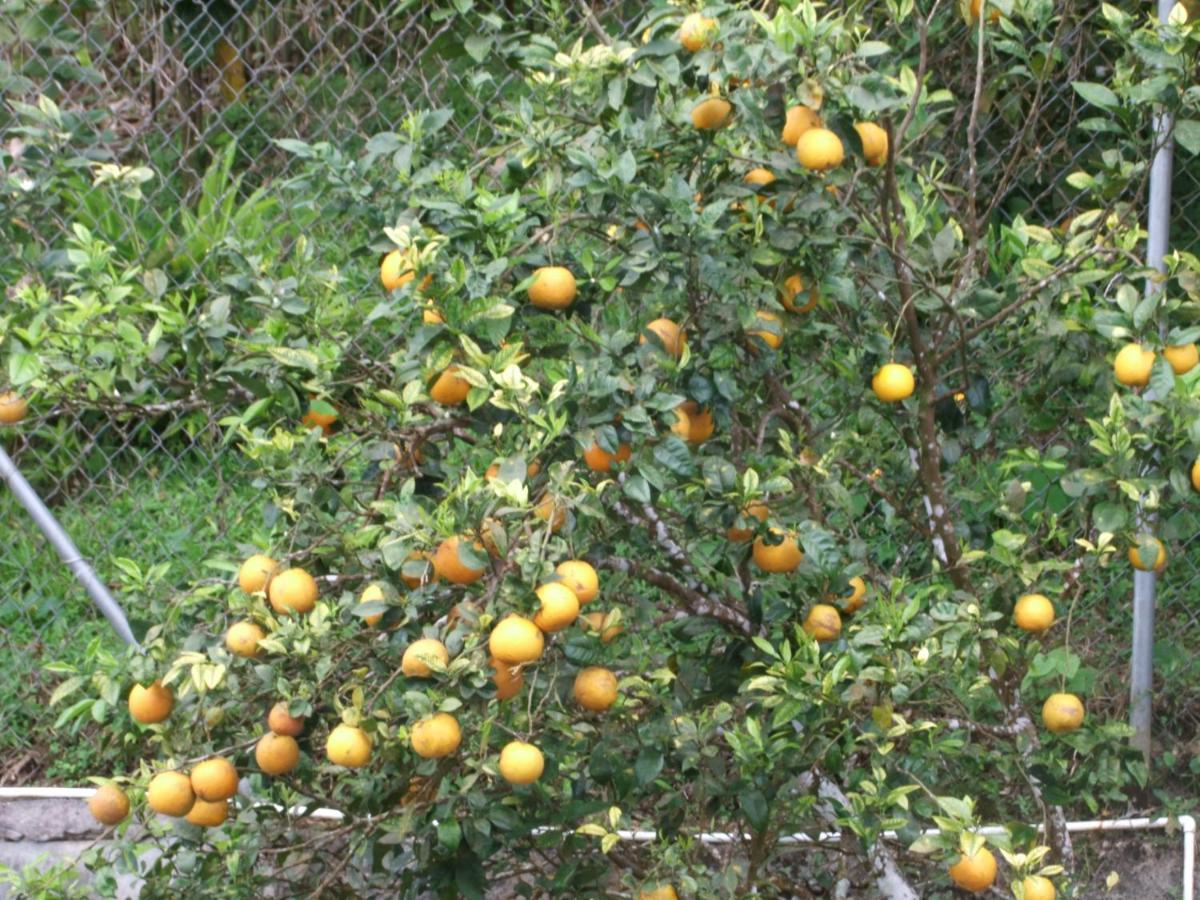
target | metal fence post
[
  {"x": 66, "y": 548},
  {"x": 1158, "y": 222}
]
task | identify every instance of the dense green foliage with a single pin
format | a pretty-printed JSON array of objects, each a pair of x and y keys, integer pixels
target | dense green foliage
[{"x": 1017, "y": 466}]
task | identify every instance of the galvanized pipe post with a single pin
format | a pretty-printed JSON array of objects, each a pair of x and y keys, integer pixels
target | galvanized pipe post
[
  {"x": 66, "y": 548},
  {"x": 1158, "y": 231}
]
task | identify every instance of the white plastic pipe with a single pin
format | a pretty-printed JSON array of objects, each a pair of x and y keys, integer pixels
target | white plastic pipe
[{"x": 1186, "y": 824}]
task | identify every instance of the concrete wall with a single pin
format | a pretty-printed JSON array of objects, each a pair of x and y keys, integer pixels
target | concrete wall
[{"x": 47, "y": 831}]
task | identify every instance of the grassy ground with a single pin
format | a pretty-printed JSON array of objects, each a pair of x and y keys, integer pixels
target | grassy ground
[{"x": 182, "y": 517}]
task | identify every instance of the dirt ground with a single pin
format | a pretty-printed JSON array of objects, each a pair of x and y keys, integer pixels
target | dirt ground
[{"x": 1148, "y": 865}]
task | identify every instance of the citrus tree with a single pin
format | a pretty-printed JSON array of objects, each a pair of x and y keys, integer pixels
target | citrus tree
[{"x": 721, "y": 450}]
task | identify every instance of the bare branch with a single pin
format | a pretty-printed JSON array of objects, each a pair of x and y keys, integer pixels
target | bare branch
[{"x": 697, "y": 604}]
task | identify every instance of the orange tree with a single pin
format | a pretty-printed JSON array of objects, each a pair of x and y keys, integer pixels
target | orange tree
[{"x": 684, "y": 475}]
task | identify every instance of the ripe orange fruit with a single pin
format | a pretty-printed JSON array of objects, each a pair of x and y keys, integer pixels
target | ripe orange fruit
[
  {"x": 598, "y": 459},
  {"x": 553, "y": 287},
  {"x": 256, "y": 572},
  {"x": 150, "y": 705},
  {"x": 1182, "y": 359},
  {"x": 1195, "y": 474},
  {"x": 276, "y": 754},
  {"x": 696, "y": 31},
  {"x": 874, "y": 143},
  {"x": 759, "y": 177},
  {"x": 516, "y": 640},
  {"x": 977, "y": 8},
  {"x": 560, "y": 607},
  {"x": 1138, "y": 562},
  {"x": 1133, "y": 364},
  {"x": 893, "y": 382},
  {"x": 1033, "y": 612},
  {"x": 396, "y": 270},
  {"x": 595, "y": 688},
  {"x": 975, "y": 873},
  {"x": 670, "y": 336},
  {"x": 783, "y": 556},
  {"x": 293, "y": 591},
  {"x": 417, "y": 569},
  {"x": 370, "y": 594},
  {"x": 449, "y": 565},
  {"x": 768, "y": 327},
  {"x": 580, "y": 577},
  {"x": 449, "y": 388},
  {"x": 420, "y": 653},
  {"x": 791, "y": 289},
  {"x": 508, "y": 679},
  {"x": 798, "y": 120},
  {"x": 1062, "y": 713},
  {"x": 109, "y": 805},
  {"x": 214, "y": 779},
  {"x": 280, "y": 721},
  {"x": 208, "y": 814},
  {"x": 595, "y": 621},
  {"x": 242, "y": 639},
  {"x": 754, "y": 509},
  {"x": 170, "y": 793},
  {"x": 491, "y": 532},
  {"x": 1038, "y": 887},
  {"x": 711, "y": 113},
  {"x": 436, "y": 736},
  {"x": 823, "y": 622},
  {"x": 693, "y": 424},
  {"x": 819, "y": 150},
  {"x": 660, "y": 892},
  {"x": 348, "y": 746},
  {"x": 550, "y": 510},
  {"x": 13, "y": 408},
  {"x": 858, "y": 593},
  {"x": 314, "y": 419},
  {"x": 521, "y": 763}
]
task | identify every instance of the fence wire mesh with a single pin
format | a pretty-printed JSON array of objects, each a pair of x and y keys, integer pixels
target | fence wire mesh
[{"x": 171, "y": 89}]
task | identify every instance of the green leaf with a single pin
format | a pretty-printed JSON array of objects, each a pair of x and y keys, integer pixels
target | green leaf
[
  {"x": 868, "y": 49},
  {"x": 649, "y": 764},
  {"x": 1097, "y": 94},
  {"x": 1108, "y": 516},
  {"x": 66, "y": 688},
  {"x": 955, "y": 808},
  {"x": 754, "y": 805},
  {"x": 1162, "y": 378},
  {"x": 449, "y": 834},
  {"x": 478, "y": 46},
  {"x": 674, "y": 455},
  {"x": 636, "y": 488},
  {"x": 296, "y": 358},
  {"x": 626, "y": 168},
  {"x": 23, "y": 367}
]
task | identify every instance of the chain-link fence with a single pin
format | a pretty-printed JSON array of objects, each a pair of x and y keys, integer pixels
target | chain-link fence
[{"x": 187, "y": 97}]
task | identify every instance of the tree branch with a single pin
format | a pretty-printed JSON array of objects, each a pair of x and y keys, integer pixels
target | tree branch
[
  {"x": 889, "y": 879},
  {"x": 697, "y": 603}
]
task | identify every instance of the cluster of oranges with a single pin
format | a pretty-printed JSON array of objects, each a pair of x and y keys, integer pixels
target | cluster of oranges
[
  {"x": 1132, "y": 367},
  {"x": 818, "y": 149},
  {"x": 515, "y": 642},
  {"x": 1061, "y": 713}
]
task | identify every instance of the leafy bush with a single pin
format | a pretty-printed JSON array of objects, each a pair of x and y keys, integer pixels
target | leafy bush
[{"x": 1015, "y": 467}]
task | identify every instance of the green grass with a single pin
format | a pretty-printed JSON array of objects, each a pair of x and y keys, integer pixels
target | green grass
[{"x": 192, "y": 511}]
